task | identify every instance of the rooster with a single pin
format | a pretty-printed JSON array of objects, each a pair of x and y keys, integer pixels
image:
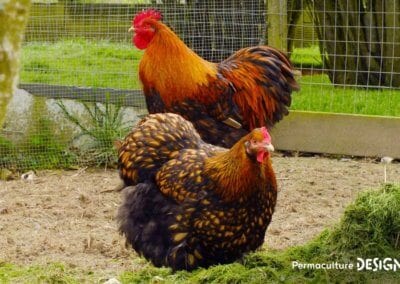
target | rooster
[
  {"x": 189, "y": 204},
  {"x": 224, "y": 101}
]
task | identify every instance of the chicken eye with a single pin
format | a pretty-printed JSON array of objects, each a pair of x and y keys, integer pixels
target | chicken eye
[{"x": 148, "y": 27}]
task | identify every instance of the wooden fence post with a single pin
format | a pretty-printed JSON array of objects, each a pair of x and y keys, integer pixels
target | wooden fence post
[{"x": 277, "y": 24}]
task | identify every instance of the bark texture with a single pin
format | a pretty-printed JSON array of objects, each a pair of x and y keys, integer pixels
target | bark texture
[
  {"x": 13, "y": 18},
  {"x": 359, "y": 41}
]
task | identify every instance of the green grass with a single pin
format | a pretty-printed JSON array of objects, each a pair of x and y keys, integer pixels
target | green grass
[
  {"x": 51, "y": 273},
  {"x": 98, "y": 1},
  {"x": 306, "y": 57},
  {"x": 104, "y": 126},
  {"x": 318, "y": 94},
  {"x": 369, "y": 228},
  {"x": 81, "y": 63}
]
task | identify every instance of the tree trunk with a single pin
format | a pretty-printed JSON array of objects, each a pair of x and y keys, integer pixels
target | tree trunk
[
  {"x": 359, "y": 41},
  {"x": 391, "y": 43},
  {"x": 13, "y": 18}
]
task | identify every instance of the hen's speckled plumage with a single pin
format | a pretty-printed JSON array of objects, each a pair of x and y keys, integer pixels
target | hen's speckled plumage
[{"x": 188, "y": 203}]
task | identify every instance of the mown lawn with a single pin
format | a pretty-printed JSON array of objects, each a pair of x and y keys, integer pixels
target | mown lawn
[
  {"x": 81, "y": 63},
  {"x": 318, "y": 94},
  {"x": 306, "y": 57}
]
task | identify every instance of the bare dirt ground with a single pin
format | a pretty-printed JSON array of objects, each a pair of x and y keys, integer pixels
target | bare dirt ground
[{"x": 68, "y": 216}]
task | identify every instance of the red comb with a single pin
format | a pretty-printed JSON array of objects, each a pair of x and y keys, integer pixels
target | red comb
[
  {"x": 145, "y": 14},
  {"x": 265, "y": 133}
]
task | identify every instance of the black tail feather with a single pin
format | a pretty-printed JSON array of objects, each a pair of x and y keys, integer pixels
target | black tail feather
[{"x": 144, "y": 219}]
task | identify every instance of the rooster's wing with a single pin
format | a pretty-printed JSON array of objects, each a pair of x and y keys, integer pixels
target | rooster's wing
[{"x": 261, "y": 79}]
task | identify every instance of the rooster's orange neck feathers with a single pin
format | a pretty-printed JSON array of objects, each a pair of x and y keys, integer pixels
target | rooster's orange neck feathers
[{"x": 169, "y": 52}]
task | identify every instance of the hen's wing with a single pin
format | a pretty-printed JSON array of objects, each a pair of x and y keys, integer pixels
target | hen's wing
[
  {"x": 262, "y": 80},
  {"x": 183, "y": 177},
  {"x": 155, "y": 140}
]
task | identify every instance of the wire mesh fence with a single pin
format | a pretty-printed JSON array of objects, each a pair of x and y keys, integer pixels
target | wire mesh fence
[
  {"x": 79, "y": 52},
  {"x": 353, "y": 57}
]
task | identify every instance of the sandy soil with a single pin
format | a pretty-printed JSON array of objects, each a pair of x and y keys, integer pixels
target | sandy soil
[{"x": 68, "y": 216}]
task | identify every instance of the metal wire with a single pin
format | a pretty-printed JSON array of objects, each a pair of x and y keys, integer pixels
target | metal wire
[{"x": 80, "y": 49}]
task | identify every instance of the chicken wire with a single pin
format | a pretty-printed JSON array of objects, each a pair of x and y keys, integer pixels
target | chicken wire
[
  {"x": 213, "y": 28},
  {"x": 352, "y": 51},
  {"x": 80, "y": 50}
]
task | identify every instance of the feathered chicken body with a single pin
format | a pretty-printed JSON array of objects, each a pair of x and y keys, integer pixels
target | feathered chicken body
[
  {"x": 224, "y": 101},
  {"x": 189, "y": 203}
]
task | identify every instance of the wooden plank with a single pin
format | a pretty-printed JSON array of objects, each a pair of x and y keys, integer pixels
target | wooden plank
[
  {"x": 355, "y": 135},
  {"x": 133, "y": 98},
  {"x": 277, "y": 24}
]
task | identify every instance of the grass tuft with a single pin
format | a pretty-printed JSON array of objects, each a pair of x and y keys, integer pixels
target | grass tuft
[
  {"x": 370, "y": 226},
  {"x": 104, "y": 127}
]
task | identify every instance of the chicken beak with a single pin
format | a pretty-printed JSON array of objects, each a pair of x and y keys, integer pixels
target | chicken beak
[
  {"x": 131, "y": 29},
  {"x": 269, "y": 147},
  {"x": 263, "y": 146}
]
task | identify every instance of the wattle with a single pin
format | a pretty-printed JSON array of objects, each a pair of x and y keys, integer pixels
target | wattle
[
  {"x": 261, "y": 156},
  {"x": 140, "y": 42}
]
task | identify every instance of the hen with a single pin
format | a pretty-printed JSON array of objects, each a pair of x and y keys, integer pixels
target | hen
[
  {"x": 224, "y": 101},
  {"x": 189, "y": 204}
]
